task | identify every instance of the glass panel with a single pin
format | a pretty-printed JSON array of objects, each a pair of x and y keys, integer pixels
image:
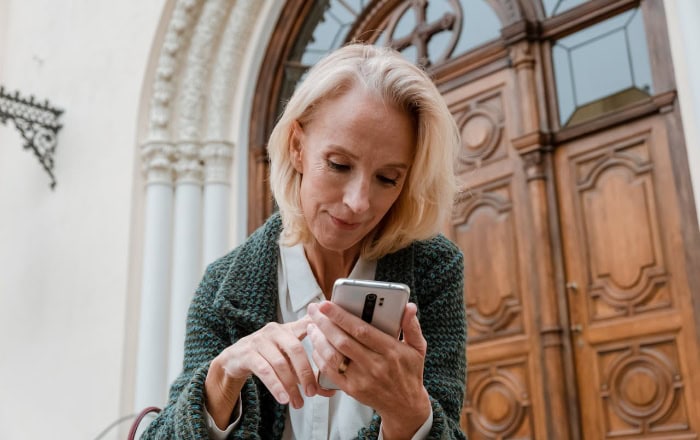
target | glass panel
[
  {"x": 606, "y": 62},
  {"x": 479, "y": 25},
  {"x": 554, "y": 7},
  {"x": 330, "y": 32},
  {"x": 325, "y": 29},
  {"x": 406, "y": 24},
  {"x": 442, "y": 44}
]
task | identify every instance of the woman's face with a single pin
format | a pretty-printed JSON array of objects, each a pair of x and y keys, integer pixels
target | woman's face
[{"x": 354, "y": 156}]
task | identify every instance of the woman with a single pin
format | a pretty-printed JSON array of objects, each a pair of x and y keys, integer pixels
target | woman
[{"x": 361, "y": 168}]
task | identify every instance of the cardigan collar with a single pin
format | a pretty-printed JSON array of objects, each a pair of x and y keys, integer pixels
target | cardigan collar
[{"x": 248, "y": 295}]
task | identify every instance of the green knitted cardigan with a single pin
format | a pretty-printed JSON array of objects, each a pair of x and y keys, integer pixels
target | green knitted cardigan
[{"x": 238, "y": 295}]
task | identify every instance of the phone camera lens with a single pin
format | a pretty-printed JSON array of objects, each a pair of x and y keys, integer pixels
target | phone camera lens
[{"x": 368, "y": 309}]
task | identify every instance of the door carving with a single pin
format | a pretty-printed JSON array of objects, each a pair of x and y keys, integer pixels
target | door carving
[
  {"x": 628, "y": 296},
  {"x": 512, "y": 379}
]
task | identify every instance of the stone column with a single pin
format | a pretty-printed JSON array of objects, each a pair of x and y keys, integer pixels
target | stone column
[
  {"x": 151, "y": 383},
  {"x": 187, "y": 246},
  {"x": 217, "y": 157}
]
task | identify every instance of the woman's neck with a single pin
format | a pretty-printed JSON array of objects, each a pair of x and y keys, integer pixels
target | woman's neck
[{"x": 328, "y": 266}]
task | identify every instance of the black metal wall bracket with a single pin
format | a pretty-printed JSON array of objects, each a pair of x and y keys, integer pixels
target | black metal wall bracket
[{"x": 37, "y": 123}]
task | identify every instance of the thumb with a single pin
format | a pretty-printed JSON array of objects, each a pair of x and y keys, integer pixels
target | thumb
[{"x": 412, "y": 334}]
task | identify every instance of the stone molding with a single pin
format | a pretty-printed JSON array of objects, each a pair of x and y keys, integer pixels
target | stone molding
[
  {"x": 157, "y": 162},
  {"x": 194, "y": 89},
  {"x": 217, "y": 157},
  {"x": 197, "y": 65}
]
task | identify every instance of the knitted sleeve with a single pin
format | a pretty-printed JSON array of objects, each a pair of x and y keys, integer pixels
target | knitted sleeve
[
  {"x": 207, "y": 336},
  {"x": 440, "y": 295}
]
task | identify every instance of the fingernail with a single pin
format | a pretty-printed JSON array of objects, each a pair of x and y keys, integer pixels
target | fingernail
[
  {"x": 283, "y": 398},
  {"x": 298, "y": 403},
  {"x": 310, "y": 390}
]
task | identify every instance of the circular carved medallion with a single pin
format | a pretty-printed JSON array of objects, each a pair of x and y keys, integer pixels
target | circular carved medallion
[
  {"x": 499, "y": 411},
  {"x": 641, "y": 388},
  {"x": 481, "y": 132}
]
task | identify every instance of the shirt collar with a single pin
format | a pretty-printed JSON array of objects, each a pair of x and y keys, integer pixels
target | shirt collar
[{"x": 301, "y": 282}]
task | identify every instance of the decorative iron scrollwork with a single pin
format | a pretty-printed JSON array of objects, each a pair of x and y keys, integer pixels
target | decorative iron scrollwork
[{"x": 38, "y": 124}]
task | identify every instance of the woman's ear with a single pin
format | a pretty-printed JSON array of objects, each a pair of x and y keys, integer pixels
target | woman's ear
[{"x": 296, "y": 144}]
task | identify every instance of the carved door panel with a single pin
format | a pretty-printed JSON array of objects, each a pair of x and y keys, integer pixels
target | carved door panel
[
  {"x": 490, "y": 224},
  {"x": 632, "y": 325}
]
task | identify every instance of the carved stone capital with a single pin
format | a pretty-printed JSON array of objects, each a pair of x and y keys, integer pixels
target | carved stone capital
[
  {"x": 188, "y": 166},
  {"x": 157, "y": 161},
  {"x": 217, "y": 157}
]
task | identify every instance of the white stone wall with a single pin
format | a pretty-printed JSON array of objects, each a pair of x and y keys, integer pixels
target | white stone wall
[
  {"x": 683, "y": 21},
  {"x": 64, "y": 254}
]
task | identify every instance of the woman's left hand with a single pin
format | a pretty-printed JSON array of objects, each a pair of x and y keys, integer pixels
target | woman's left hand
[{"x": 383, "y": 373}]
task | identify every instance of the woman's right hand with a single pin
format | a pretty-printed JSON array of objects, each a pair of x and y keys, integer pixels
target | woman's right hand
[{"x": 275, "y": 355}]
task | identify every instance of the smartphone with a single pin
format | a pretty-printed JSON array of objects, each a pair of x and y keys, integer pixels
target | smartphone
[{"x": 376, "y": 302}]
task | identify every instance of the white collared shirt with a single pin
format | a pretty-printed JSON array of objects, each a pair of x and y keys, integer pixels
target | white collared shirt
[{"x": 338, "y": 417}]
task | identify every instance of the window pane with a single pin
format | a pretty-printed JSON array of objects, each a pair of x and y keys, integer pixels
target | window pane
[
  {"x": 328, "y": 25},
  {"x": 554, "y": 7},
  {"x": 479, "y": 25},
  {"x": 330, "y": 32},
  {"x": 606, "y": 64}
]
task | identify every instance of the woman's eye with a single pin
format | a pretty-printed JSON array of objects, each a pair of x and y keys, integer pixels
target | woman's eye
[
  {"x": 388, "y": 181},
  {"x": 338, "y": 166}
]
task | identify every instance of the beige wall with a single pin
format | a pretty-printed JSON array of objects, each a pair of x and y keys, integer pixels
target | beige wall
[
  {"x": 683, "y": 20},
  {"x": 63, "y": 253}
]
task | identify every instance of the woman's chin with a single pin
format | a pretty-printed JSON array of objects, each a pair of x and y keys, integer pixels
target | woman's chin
[{"x": 337, "y": 244}]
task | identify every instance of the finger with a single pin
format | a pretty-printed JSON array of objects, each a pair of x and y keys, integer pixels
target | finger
[
  {"x": 296, "y": 354},
  {"x": 298, "y": 328},
  {"x": 281, "y": 367},
  {"x": 323, "y": 349},
  {"x": 412, "y": 334},
  {"x": 321, "y": 345},
  {"x": 262, "y": 369},
  {"x": 327, "y": 359},
  {"x": 348, "y": 333}
]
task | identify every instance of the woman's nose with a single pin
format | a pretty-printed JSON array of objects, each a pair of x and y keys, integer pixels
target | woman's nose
[{"x": 356, "y": 195}]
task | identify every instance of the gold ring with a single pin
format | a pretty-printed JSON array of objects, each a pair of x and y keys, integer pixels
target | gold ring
[{"x": 343, "y": 365}]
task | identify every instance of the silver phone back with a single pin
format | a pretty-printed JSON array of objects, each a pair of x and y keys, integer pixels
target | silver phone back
[
  {"x": 391, "y": 299},
  {"x": 390, "y": 303}
]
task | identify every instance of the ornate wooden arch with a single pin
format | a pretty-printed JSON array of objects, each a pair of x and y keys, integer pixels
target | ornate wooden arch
[{"x": 293, "y": 32}]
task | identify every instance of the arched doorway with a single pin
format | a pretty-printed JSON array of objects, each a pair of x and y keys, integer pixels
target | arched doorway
[{"x": 574, "y": 210}]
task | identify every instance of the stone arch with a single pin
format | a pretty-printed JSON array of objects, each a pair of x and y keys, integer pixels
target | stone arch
[{"x": 201, "y": 53}]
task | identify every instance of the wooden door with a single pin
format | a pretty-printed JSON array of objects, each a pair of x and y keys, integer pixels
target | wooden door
[
  {"x": 517, "y": 351},
  {"x": 630, "y": 306},
  {"x": 578, "y": 233},
  {"x": 607, "y": 349}
]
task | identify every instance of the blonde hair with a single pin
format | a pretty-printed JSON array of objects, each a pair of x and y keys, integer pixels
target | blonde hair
[{"x": 427, "y": 195}]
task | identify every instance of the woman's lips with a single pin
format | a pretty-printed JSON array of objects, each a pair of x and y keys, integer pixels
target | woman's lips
[{"x": 343, "y": 224}]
